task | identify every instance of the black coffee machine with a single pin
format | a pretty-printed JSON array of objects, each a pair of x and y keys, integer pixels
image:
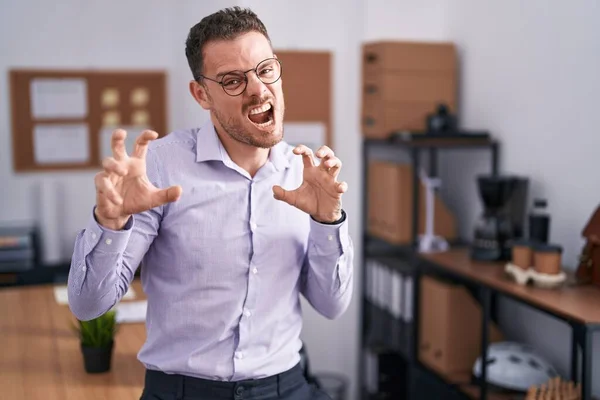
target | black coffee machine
[{"x": 505, "y": 205}]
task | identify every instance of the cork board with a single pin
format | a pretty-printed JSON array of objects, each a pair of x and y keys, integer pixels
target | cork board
[
  {"x": 306, "y": 78},
  {"x": 62, "y": 120}
]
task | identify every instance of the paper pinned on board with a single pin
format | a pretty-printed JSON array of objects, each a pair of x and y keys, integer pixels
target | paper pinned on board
[
  {"x": 61, "y": 143},
  {"x": 132, "y": 311},
  {"x": 59, "y": 98},
  {"x": 311, "y": 134},
  {"x": 62, "y": 297}
]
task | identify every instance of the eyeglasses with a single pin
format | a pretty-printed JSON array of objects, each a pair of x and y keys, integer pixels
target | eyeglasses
[{"x": 234, "y": 83}]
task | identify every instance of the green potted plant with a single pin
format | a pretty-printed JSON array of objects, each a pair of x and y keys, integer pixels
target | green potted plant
[{"x": 97, "y": 341}]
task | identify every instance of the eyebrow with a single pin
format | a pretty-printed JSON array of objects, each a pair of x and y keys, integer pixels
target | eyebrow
[{"x": 221, "y": 74}]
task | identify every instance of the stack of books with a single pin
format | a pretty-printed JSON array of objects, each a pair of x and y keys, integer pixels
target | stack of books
[{"x": 17, "y": 249}]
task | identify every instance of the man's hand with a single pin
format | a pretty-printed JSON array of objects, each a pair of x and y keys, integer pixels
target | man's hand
[
  {"x": 123, "y": 188},
  {"x": 320, "y": 194}
]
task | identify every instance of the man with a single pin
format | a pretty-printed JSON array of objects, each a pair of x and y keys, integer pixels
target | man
[{"x": 231, "y": 225}]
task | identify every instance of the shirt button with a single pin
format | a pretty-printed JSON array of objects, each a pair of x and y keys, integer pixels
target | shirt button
[
  {"x": 84, "y": 268},
  {"x": 108, "y": 241},
  {"x": 330, "y": 237},
  {"x": 253, "y": 226},
  {"x": 247, "y": 312},
  {"x": 93, "y": 235},
  {"x": 239, "y": 355},
  {"x": 255, "y": 271}
]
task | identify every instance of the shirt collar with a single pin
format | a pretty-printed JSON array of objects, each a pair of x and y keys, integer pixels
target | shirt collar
[
  {"x": 208, "y": 145},
  {"x": 278, "y": 156},
  {"x": 210, "y": 148}
]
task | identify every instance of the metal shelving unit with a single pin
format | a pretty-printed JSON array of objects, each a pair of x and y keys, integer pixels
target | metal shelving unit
[
  {"x": 415, "y": 145},
  {"x": 582, "y": 326}
]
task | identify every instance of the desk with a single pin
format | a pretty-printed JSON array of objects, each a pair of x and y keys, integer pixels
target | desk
[
  {"x": 41, "y": 358},
  {"x": 578, "y": 306}
]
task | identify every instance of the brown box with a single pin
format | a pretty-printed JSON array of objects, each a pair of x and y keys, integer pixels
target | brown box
[
  {"x": 379, "y": 121},
  {"x": 385, "y": 56},
  {"x": 403, "y": 82},
  {"x": 450, "y": 327},
  {"x": 395, "y": 87},
  {"x": 390, "y": 205}
]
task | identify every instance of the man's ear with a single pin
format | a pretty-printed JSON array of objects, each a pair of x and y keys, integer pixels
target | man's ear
[{"x": 199, "y": 94}]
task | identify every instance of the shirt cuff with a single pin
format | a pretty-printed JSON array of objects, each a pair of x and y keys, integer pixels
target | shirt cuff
[
  {"x": 328, "y": 238},
  {"x": 107, "y": 240}
]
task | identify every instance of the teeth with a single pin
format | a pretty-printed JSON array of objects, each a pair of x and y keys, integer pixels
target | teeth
[
  {"x": 264, "y": 125},
  {"x": 261, "y": 109}
]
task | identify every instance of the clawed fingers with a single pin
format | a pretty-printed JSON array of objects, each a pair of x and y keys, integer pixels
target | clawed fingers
[
  {"x": 332, "y": 166},
  {"x": 324, "y": 152},
  {"x": 307, "y": 155},
  {"x": 330, "y": 162},
  {"x": 105, "y": 187},
  {"x": 113, "y": 166},
  {"x": 342, "y": 187},
  {"x": 117, "y": 144},
  {"x": 141, "y": 143}
]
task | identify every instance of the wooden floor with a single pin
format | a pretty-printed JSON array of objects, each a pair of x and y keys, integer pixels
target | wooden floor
[{"x": 40, "y": 356}]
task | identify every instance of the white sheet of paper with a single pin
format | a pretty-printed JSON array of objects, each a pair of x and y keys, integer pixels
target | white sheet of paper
[
  {"x": 368, "y": 279},
  {"x": 397, "y": 294},
  {"x": 61, "y": 143},
  {"x": 132, "y": 311},
  {"x": 408, "y": 299},
  {"x": 59, "y": 98},
  {"x": 311, "y": 134},
  {"x": 61, "y": 294},
  {"x": 375, "y": 284},
  {"x": 106, "y": 133}
]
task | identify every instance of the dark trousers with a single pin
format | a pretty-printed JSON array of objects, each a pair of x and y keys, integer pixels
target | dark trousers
[{"x": 289, "y": 385}]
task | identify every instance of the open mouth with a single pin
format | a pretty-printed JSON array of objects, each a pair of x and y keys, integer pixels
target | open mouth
[{"x": 262, "y": 116}]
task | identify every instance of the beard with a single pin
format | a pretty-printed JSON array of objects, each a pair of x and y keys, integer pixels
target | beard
[{"x": 242, "y": 130}]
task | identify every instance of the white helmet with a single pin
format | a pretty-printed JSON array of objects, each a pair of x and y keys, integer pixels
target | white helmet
[{"x": 514, "y": 366}]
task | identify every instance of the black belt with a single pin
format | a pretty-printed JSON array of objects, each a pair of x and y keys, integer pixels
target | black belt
[{"x": 188, "y": 386}]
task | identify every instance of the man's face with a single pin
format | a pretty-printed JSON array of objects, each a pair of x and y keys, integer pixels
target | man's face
[{"x": 254, "y": 117}]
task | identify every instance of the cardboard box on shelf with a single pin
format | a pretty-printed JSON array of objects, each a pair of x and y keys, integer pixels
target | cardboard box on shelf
[
  {"x": 450, "y": 327},
  {"x": 390, "y": 191},
  {"x": 399, "y": 55},
  {"x": 404, "y": 82}
]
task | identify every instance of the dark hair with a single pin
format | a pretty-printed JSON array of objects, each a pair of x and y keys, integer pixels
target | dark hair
[{"x": 225, "y": 24}]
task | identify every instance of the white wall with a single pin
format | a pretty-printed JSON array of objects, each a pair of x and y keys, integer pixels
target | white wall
[
  {"x": 72, "y": 34},
  {"x": 405, "y": 19},
  {"x": 152, "y": 34},
  {"x": 529, "y": 74}
]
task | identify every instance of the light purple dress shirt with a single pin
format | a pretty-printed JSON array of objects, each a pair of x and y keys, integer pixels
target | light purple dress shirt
[{"x": 223, "y": 267}]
